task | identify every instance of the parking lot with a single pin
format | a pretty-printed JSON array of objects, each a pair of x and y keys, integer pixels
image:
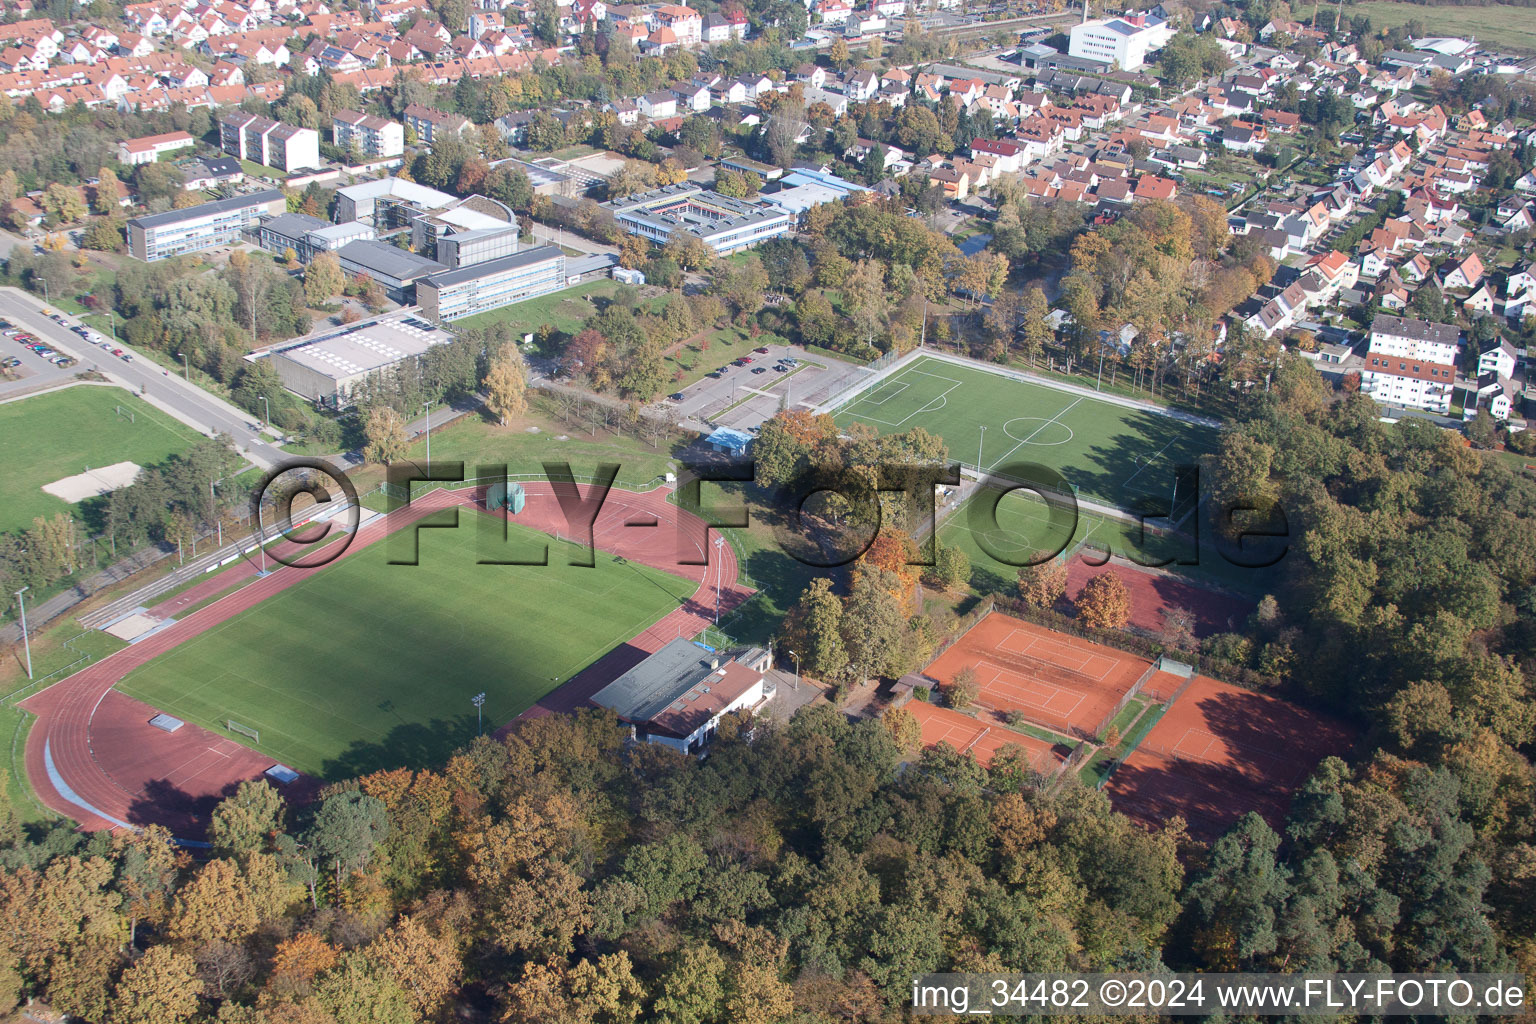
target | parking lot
[
  {"x": 743, "y": 396},
  {"x": 29, "y": 362}
]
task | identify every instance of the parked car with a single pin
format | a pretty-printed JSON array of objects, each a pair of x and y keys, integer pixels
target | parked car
[
  {"x": 746, "y": 359},
  {"x": 762, "y": 349},
  {"x": 781, "y": 368},
  {"x": 6, "y": 325},
  {"x": 759, "y": 369},
  {"x": 677, "y": 396}
]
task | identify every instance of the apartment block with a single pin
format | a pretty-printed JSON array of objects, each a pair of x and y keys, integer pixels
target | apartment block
[{"x": 373, "y": 137}]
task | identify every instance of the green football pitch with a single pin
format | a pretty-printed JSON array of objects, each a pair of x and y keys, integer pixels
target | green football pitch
[
  {"x": 1124, "y": 457},
  {"x": 367, "y": 665},
  {"x": 52, "y": 436}
]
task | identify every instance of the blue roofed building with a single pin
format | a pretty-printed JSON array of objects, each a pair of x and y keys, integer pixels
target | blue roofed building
[{"x": 728, "y": 441}]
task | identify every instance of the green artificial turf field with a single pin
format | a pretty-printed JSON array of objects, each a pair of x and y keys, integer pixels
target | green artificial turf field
[
  {"x": 368, "y": 665},
  {"x": 55, "y": 435},
  {"x": 1110, "y": 453}
]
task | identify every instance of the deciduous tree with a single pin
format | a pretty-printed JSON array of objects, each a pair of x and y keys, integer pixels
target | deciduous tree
[{"x": 1104, "y": 603}]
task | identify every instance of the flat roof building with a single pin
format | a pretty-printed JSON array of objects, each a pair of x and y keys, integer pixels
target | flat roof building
[
  {"x": 492, "y": 284},
  {"x": 724, "y": 223},
  {"x": 325, "y": 366},
  {"x": 396, "y": 269},
  {"x": 308, "y": 236},
  {"x": 158, "y": 236},
  {"x": 678, "y": 695}
]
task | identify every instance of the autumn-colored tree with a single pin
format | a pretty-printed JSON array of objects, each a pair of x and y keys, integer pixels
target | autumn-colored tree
[
  {"x": 424, "y": 966},
  {"x": 1042, "y": 585},
  {"x": 601, "y": 991},
  {"x": 223, "y": 903},
  {"x": 105, "y": 199},
  {"x": 506, "y": 384},
  {"x": 385, "y": 434},
  {"x": 892, "y": 550},
  {"x": 962, "y": 690},
  {"x": 1104, "y": 603},
  {"x": 904, "y": 728},
  {"x": 161, "y": 988},
  {"x": 297, "y": 961},
  {"x": 323, "y": 279}
]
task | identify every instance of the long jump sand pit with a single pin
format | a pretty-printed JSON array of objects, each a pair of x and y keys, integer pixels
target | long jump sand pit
[
  {"x": 94, "y": 482},
  {"x": 1057, "y": 681}
]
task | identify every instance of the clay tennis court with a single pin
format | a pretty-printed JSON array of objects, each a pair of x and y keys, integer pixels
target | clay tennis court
[
  {"x": 981, "y": 739},
  {"x": 1057, "y": 681},
  {"x": 1219, "y": 752}
]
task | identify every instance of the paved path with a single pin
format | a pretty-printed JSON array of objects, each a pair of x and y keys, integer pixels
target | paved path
[{"x": 92, "y": 756}]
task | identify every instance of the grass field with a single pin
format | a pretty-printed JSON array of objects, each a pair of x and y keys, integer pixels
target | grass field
[
  {"x": 1024, "y": 526},
  {"x": 566, "y": 309},
  {"x": 1497, "y": 25},
  {"x": 59, "y": 434},
  {"x": 1113, "y": 454},
  {"x": 369, "y": 665}
]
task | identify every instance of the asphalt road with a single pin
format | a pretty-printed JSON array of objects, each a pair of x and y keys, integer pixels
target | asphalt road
[{"x": 185, "y": 401}]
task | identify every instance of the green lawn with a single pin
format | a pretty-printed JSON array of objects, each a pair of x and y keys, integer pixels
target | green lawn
[
  {"x": 477, "y": 442},
  {"x": 51, "y": 436},
  {"x": 1096, "y": 769},
  {"x": 567, "y": 309},
  {"x": 1024, "y": 526},
  {"x": 370, "y": 665},
  {"x": 1117, "y": 455},
  {"x": 1495, "y": 25}
]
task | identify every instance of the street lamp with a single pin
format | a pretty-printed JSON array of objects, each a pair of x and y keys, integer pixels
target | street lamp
[
  {"x": 478, "y": 700},
  {"x": 266, "y": 405},
  {"x": 428, "y": 407},
  {"x": 26, "y": 641},
  {"x": 186, "y": 367},
  {"x": 111, "y": 320},
  {"x": 792, "y": 654},
  {"x": 218, "y": 519}
]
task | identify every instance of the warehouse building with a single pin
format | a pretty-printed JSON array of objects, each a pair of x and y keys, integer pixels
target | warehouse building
[
  {"x": 327, "y": 365},
  {"x": 724, "y": 223},
  {"x": 395, "y": 269},
  {"x": 490, "y": 285},
  {"x": 159, "y": 236}
]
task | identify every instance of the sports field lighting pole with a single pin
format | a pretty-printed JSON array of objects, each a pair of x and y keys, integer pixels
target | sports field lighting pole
[
  {"x": 719, "y": 564},
  {"x": 979, "y": 445},
  {"x": 478, "y": 700},
  {"x": 26, "y": 641}
]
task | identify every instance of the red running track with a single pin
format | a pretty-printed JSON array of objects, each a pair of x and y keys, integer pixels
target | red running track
[{"x": 92, "y": 756}]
